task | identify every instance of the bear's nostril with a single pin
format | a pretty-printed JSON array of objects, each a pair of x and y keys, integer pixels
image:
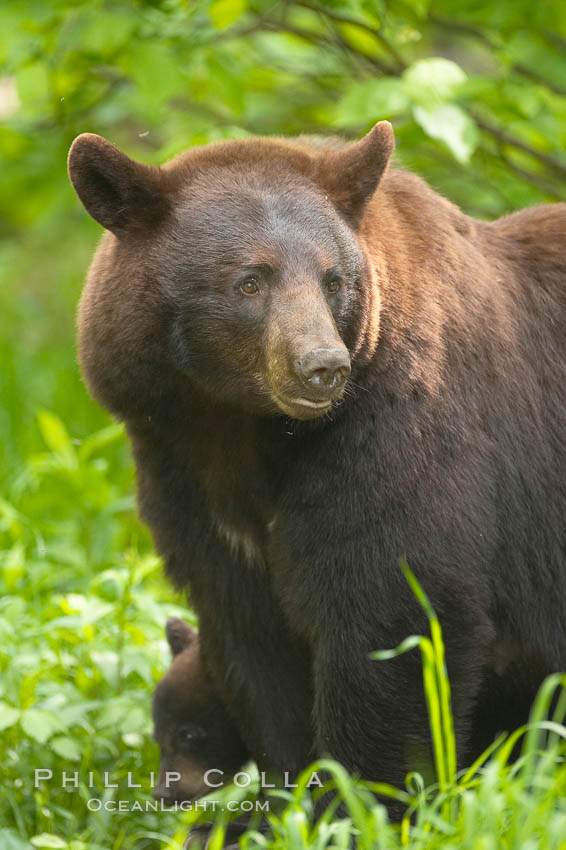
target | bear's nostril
[
  {"x": 327, "y": 378},
  {"x": 325, "y": 368}
]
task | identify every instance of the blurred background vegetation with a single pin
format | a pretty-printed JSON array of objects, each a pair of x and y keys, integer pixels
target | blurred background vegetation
[{"x": 476, "y": 91}]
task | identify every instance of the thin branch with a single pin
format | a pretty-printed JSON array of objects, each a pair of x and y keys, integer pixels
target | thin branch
[
  {"x": 340, "y": 18},
  {"x": 534, "y": 179},
  {"x": 538, "y": 78},
  {"x": 319, "y": 39},
  {"x": 481, "y": 35},
  {"x": 506, "y": 138},
  {"x": 555, "y": 39},
  {"x": 461, "y": 27}
]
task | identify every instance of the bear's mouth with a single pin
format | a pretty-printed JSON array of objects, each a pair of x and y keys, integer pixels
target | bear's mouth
[{"x": 303, "y": 408}]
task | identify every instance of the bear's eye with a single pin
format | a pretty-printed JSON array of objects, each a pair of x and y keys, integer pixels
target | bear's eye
[
  {"x": 249, "y": 286},
  {"x": 333, "y": 285},
  {"x": 191, "y": 734}
]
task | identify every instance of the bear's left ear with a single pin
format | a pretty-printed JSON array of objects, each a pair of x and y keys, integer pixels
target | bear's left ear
[
  {"x": 179, "y": 634},
  {"x": 121, "y": 194},
  {"x": 351, "y": 174}
]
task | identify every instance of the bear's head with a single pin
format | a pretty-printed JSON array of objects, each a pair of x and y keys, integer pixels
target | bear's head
[
  {"x": 234, "y": 274},
  {"x": 194, "y": 732}
]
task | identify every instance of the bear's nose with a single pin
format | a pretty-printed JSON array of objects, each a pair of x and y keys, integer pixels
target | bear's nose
[{"x": 325, "y": 368}]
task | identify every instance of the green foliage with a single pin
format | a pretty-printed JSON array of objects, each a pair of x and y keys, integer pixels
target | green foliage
[
  {"x": 477, "y": 94},
  {"x": 81, "y": 639}
]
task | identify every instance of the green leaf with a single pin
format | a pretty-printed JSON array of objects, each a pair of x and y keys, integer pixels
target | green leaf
[
  {"x": 133, "y": 740},
  {"x": 13, "y": 567},
  {"x": 405, "y": 646},
  {"x": 429, "y": 82},
  {"x": 138, "y": 661},
  {"x": 419, "y": 7},
  {"x": 39, "y": 725},
  {"x": 156, "y": 73},
  {"x": 10, "y": 840},
  {"x": 107, "y": 662},
  {"x": 225, "y": 12},
  {"x": 101, "y": 440},
  {"x": 56, "y": 437},
  {"x": 137, "y": 720},
  {"x": 33, "y": 87},
  {"x": 449, "y": 124},
  {"x": 371, "y": 100},
  {"x": 47, "y": 840},
  {"x": 359, "y": 38},
  {"x": 417, "y": 590},
  {"x": 108, "y": 29},
  {"x": 66, "y": 747},
  {"x": 8, "y": 715}
]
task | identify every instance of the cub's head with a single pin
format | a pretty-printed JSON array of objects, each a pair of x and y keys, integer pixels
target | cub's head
[
  {"x": 234, "y": 273},
  {"x": 193, "y": 730}
]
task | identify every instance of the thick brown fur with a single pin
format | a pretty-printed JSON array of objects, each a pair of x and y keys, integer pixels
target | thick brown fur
[{"x": 446, "y": 444}]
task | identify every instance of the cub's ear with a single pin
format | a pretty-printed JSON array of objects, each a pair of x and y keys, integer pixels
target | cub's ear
[
  {"x": 120, "y": 194},
  {"x": 179, "y": 634},
  {"x": 351, "y": 174}
]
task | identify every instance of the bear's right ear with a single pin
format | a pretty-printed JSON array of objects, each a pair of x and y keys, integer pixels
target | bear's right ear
[
  {"x": 179, "y": 634},
  {"x": 120, "y": 194},
  {"x": 351, "y": 174}
]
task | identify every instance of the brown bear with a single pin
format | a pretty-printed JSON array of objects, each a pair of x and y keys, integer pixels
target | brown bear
[
  {"x": 200, "y": 747},
  {"x": 323, "y": 366}
]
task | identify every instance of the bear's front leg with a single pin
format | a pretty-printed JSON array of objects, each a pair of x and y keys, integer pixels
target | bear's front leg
[
  {"x": 348, "y": 599},
  {"x": 261, "y": 670}
]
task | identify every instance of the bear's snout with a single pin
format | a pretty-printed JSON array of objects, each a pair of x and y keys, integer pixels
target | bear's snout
[{"x": 324, "y": 370}]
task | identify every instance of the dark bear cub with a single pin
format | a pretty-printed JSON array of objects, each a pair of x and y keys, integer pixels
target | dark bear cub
[{"x": 194, "y": 732}]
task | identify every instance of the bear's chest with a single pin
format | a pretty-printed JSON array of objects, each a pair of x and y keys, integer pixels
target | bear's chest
[{"x": 240, "y": 482}]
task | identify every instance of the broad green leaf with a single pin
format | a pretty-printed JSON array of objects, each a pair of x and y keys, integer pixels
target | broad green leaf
[
  {"x": 153, "y": 68},
  {"x": 137, "y": 720},
  {"x": 13, "y": 567},
  {"x": 100, "y": 440},
  {"x": 90, "y": 608},
  {"x": 372, "y": 100},
  {"x": 66, "y": 747},
  {"x": 115, "y": 713},
  {"x": 138, "y": 661},
  {"x": 359, "y": 38},
  {"x": 8, "y": 715},
  {"x": 107, "y": 29},
  {"x": 47, "y": 841},
  {"x": 133, "y": 740},
  {"x": 39, "y": 725},
  {"x": 224, "y": 12},
  {"x": 56, "y": 436},
  {"x": 107, "y": 662},
  {"x": 32, "y": 82},
  {"x": 449, "y": 124},
  {"x": 429, "y": 82},
  {"x": 10, "y": 840},
  {"x": 419, "y": 7}
]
